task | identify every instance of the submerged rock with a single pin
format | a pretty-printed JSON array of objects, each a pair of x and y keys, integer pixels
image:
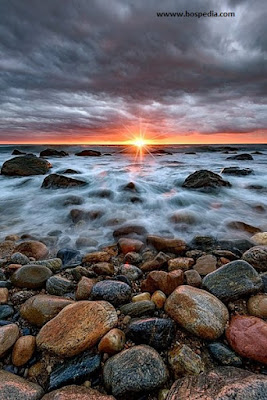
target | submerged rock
[
  {"x": 176, "y": 246},
  {"x": 55, "y": 181},
  {"x": 88, "y": 153},
  {"x": 204, "y": 178},
  {"x": 237, "y": 171},
  {"x": 53, "y": 153},
  {"x": 25, "y": 166},
  {"x": 243, "y": 157}
]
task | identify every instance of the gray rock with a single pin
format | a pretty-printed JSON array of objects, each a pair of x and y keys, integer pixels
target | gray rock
[
  {"x": 257, "y": 257},
  {"x": 139, "y": 308},
  {"x": 221, "y": 353},
  {"x": 55, "y": 181},
  {"x": 6, "y": 311},
  {"x": 25, "y": 166},
  {"x": 237, "y": 171},
  {"x": 112, "y": 291},
  {"x": 204, "y": 179},
  {"x": 58, "y": 285},
  {"x": 131, "y": 271},
  {"x": 135, "y": 370},
  {"x": 19, "y": 258},
  {"x": 13, "y": 387},
  {"x": 55, "y": 264},
  {"x": 233, "y": 280},
  {"x": 31, "y": 276}
]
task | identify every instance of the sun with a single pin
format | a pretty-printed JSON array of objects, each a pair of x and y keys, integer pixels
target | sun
[{"x": 139, "y": 142}]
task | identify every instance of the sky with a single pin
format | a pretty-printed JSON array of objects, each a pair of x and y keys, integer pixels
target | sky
[{"x": 105, "y": 71}]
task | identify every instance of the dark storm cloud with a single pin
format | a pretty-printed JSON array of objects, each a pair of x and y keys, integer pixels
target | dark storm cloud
[{"x": 83, "y": 66}]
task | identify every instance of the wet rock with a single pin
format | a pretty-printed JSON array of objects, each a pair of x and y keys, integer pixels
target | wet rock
[
  {"x": 139, "y": 308},
  {"x": 237, "y": 246},
  {"x": 184, "y": 361},
  {"x": 132, "y": 258},
  {"x": 181, "y": 217},
  {"x": 226, "y": 254},
  {"x": 31, "y": 276},
  {"x": 131, "y": 271},
  {"x": 70, "y": 171},
  {"x": 78, "y": 215},
  {"x": 25, "y": 166},
  {"x": 219, "y": 384},
  {"x": 257, "y": 257},
  {"x": 74, "y": 371},
  {"x": 17, "y": 152},
  {"x": 83, "y": 242},
  {"x": 6, "y": 311},
  {"x": 3, "y": 295},
  {"x": 164, "y": 281},
  {"x": 159, "y": 298},
  {"x": 233, "y": 280},
  {"x": 84, "y": 288},
  {"x": 5, "y": 284},
  {"x": 103, "y": 268},
  {"x": 55, "y": 181},
  {"x": 260, "y": 238},
  {"x": 19, "y": 258},
  {"x": 243, "y": 157},
  {"x": 126, "y": 230},
  {"x": 193, "y": 278},
  {"x": 141, "y": 297},
  {"x": 8, "y": 336},
  {"x": 68, "y": 255},
  {"x": 67, "y": 337},
  {"x": 41, "y": 308},
  {"x": 127, "y": 245},
  {"x": 6, "y": 249},
  {"x": 134, "y": 370},
  {"x": 33, "y": 248},
  {"x": 57, "y": 285},
  {"x": 112, "y": 291},
  {"x": 72, "y": 201},
  {"x": 157, "y": 262},
  {"x": 242, "y": 226},
  {"x": 55, "y": 264},
  {"x": 203, "y": 179},
  {"x": 13, "y": 387},
  {"x": 53, "y": 153},
  {"x": 78, "y": 272},
  {"x": 95, "y": 257},
  {"x": 23, "y": 350},
  {"x": 156, "y": 332},
  {"x": 257, "y": 305},
  {"x": 74, "y": 392},
  {"x": 88, "y": 153},
  {"x": 176, "y": 246},
  {"x": 112, "y": 342},
  {"x": 197, "y": 311},
  {"x": 205, "y": 264},
  {"x": 223, "y": 355},
  {"x": 183, "y": 263},
  {"x": 237, "y": 171},
  {"x": 248, "y": 337}
]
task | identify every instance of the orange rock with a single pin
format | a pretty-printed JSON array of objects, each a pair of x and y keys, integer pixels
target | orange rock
[
  {"x": 23, "y": 350},
  {"x": 164, "y": 281},
  {"x": 14, "y": 267},
  {"x": 128, "y": 245},
  {"x": 176, "y": 246},
  {"x": 33, "y": 248},
  {"x": 141, "y": 297},
  {"x": 8, "y": 336},
  {"x": 84, "y": 288},
  {"x": 103, "y": 268},
  {"x": 95, "y": 257},
  {"x": 3, "y": 295},
  {"x": 112, "y": 342},
  {"x": 257, "y": 305},
  {"x": 158, "y": 298},
  {"x": 183, "y": 263}
]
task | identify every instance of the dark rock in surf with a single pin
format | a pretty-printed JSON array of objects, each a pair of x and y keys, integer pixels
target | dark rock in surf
[
  {"x": 237, "y": 171},
  {"x": 243, "y": 157},
  {"x": 25, "y": 166},
  {"x": 88, "y": 153},
  {"x": 17, "y": 152},
  {"x": 69, "y": 256},
  {"x": 55, "y": 181},
  {"x": 204, "y": 178},
  {"x": 70, "y": 171},
  {"x": 53, "y": 153},
  {"x": 242, "y": 226},
  {"x": 126, "y": 230}
]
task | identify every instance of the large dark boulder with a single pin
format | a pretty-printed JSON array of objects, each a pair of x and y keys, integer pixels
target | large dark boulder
[
  {"x": 88, "y": 153},
  {"x": 242, "y": 157},
  {"x": 53, "y": 153},
  {"x": 55, "y": 181},
  {"x": 203, "y": 179},
  {"x": 17, "y": 152},
  {"x": 25, "y": 166},
  {"x": 237, "y": 171}
]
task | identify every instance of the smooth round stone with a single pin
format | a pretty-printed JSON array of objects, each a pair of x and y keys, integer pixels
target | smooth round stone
[
  {"x": 67, "y": 336},
  {"x": 130, "y": 245},
  {"x": 184, "y": 361},
  {"x": 156, "y": 332},
  {"x": 8, "y": 336},
  {"x": 204, "y": 179},
  {"x": 141, "y": 297},
  {"x": 41, "y": 308},
  {"x": 23, "y": 350},
  {"x": 5, "y": 284},
  {"x": 197, "y": 311},
  {"x": 6, "y": 311},
  {"x": 257, "y": 305},
  {"x": 57, "y": 285},
  {"x": 131, "y": 271},
  {"x": 55, "y": 264},
  {"x": 137, "y": 309},
  {"x": 96, "y": 257},
  {"x": 257, "y": 257},
  {"x": 205, "y": 264},
  {"x": 221, "y": 353},
  {"x": 248, "y": 337},
  {"x": 176, "y": 246},
  {"x": 220, "y": 384},
  {"x": 33, "y": 248},
  {"x": 74, "y": 392},
  {"x": 233, "y": 280},
  {"x": 260, "y": 238},
  {"x": 13, "y": 387},
  {"x": 135, "y": 370},
  {"x": 158, "y": 298},
  {"x": 31, "y": 276},
  {"x": 112, "y": 291},
  {"x": 19, "y": 258},
  {"x": 112, "y": 342},
  {"x": 3, "y": 295},
  {"x": 84, "y": 288}
]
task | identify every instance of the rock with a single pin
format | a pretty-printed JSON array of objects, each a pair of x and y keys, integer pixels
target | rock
[
  {"x": 184, "y": 361},
  {"x": 88, "y": 153},
  {"x": 131, "y": 271},
  {"x": 70, "y": 171},
  {"x": 41, "y": 308},
  {"x": 260, "y": 238},
  {"x": 17, "y": 152},
  {"x": 113, "y": 291},
  {"x": 164, "y": 281},
  {"x": 132, "y": 258},
  {"x": 55, "y": 264},
  {"x": 31, "y": 276},
  {"x": 242, "y": 226},
  {"x": 205, "y": 264},
  {"x": 3, "y": 295},
  {"x": 193, "y": 278},
  {"x": 13, "y": 387},
  {"x": 156, "y": 332},
  {"x": 243, "y": 157},
  {"x": 76, "y": 393},
  {"x": 157, "y": 262},
  {"x": 68, "y": 255},
  {"x": 126, "y": 230},
  {"x": 257, "y": 257},
  {"x": 112, "y": 342},
  {"x": 223, "y": 355},
  {"x": 248, "y": 337},
  {"x": 233, "y": 280},
  {"x": 67, "y": 337},
  {"x": 103, "y": 268},
  {"x": 84, "y": 288},
  {"x": 8, "y": 336},
  {"x": 176, "y": 246},
  {"x": 158, "y": 298},
  {"x": 237, "y": 246},
  {"x": 95, "y": 257},
  {"x": 128, "y": 245},
  {"x": 138, "y": 369},
  {"x": 137, "y": 309},
  {"x": 6, "y": 249},
  {"x": 53, "y": 153},
  {"x": 203, "y": 179},
  {"x": 55, "y": 181},
  {"x": 25, "y": 166},
  {"x": 237, "y": 171},
  {"x": 181, "y": 217},
  {"x": 78, "y": 215},
  {"x": 197, "y": 311},
  {"x": 82, "y": 242},
  {"x": 19, "y": 258},
  {"x": 141, "y": 297},
  {"x": 58, "y": 285},
  {"x": 220, "y": 384},
  {"x": 183, "y": 263},
  {"x": 23, "y": 350},
  {"x": 257, "y": 305},
  {"x": 226, "y": 254},
  {"x": 33, "y": 248},
  {"x": 76, "y": 370},
  {"x": 78, "y": 272},
  {"x": 6, "y": 311}
]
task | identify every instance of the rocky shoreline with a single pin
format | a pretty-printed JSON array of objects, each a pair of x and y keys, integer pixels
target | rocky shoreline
[{"x": 156, "y": 318}]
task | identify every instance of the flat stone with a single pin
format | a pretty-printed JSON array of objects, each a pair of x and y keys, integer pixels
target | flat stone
[
  {"x": 113, "y": 291},
  {"x": 8, "y": 336},
  {"x": 233, "y": 280},
  {"x": 13, "y": 387},
  {"x": 74, "y": 392},
  {"x": 31, "y": 276},
  {"x": 203, "y": 179},
  {"x": 184, "y": 361},
  {"x": 67, "y": 336},
  {"x": 164, "y": 281},
  {"x": 23, "y": 350},
  {"x": 55, "y": 264},
  {"x": 55, "y": 181},
  {"x": 223, "y": 355},
  {"x": 205, "y": 264},
  {"x": 41, "y": 308},
  {"x": 197, "y": 311},
  {"x": 32, "y": 248},
  {"x": 248, "y": 337},
  {"x": 138, "y": 369},
  {"x": 257, "y": 305},
  {"x": 257, "y": 257},
  {"x": 139, "y": 308},
  {"x": 112, "y": 342},
  {"x": 260, "y": 238},
  {"x": 183, "y": 263},
  {"x": 58, "y": 285},
  {"x": 176, "y": 246},
  {"x": 126, "y": 230},
  {"x": 25, "y": 166}
]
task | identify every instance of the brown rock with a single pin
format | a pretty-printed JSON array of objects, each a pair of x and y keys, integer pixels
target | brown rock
[
  {"x": 248, "y": 337},
  {"x": 184, "y": 361},
  {"x": 257, "y": 305},
  {"x": 41, "y": 308},
  {"x": 205, "y": 264},
  {"x": 84, "y": 288},
  {"x": 3, "y": 295},
  {"x": 159, "y": 298},
  {"x": 112, "y": 342},
  {"x": 257, "y": 257},
  {"x": 77, "y": 327},
  {"x": 31, "y": 276},
  {"x": 33, "y": 248},
  {"x": 96, "y": 257},
  {"x": 141, "y": 297},
  {"x": 6, "y": 248},
  {"x": 176, "y": 246},
  {"x": 13, "y": 387},
  {"x": 164, "y": 281},
  {"x": 126, "y": 230},
  {"x": 74, "y": 392},
  {"x": 14, "y": 267},
  {"x": 242, "y": 226},
  {"x": 8, "y": 336},
  {"x": 127, "y": 245},
  {"x": 23, "y": 350},
  {"x": 157, "y": 262},
  {"x": 193, "y": 278},
  {"x": 103, "y": 268},
  {"x": 260, "y": 238},
  {"x": 183, "y": 263}
]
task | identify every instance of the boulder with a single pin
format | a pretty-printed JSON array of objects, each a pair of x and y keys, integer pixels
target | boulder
[
  {"x": 205, "y": 179},
  {"x": 88, "y": 153},
  {"x": 53, "y": 153},
  {"x": 32, "y": 248},
  {"x": 13, "y": 387},
  {"x": 31, "y": 276},
  {"x": 55, "y": 181},
  {"x": 25, "y": 166},
  {"x": 236, "y": 171},
  {"x": 242, "y": 157},
  {"x": 257, "y": 257}
]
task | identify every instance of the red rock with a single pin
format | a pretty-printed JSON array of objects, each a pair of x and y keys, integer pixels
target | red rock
[
  {"x": 33, "y": 248},
  {"x": 127, "y": 245},
  {"x": 248, "y": 337},
  {"x": 164, "y": 281},
  {"x": 176, "y": 246},
  {"x": 183, "y": 263}
]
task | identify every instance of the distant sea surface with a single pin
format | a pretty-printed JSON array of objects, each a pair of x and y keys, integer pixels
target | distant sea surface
[{"x": 26, "y": 208}]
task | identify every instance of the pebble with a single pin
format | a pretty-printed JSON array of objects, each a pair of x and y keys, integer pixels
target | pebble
[
  {"x": 184, "y": 361},
  {"x": 176, "y": 246},
  {"x": 164, "y": 281},
  {"x": 130, "y": 245},
  {"x": 157, "y": 262},
  {"x": 193, "y": 278},
  {"x": 223, "y": 355},
  {"x": 31, "y": 276},
  {"x": 84, "y": 288},
  {"x": 3, "y": 295},
  {"x": 159, "y": 298},
  {"x": 57, "y": 285},
  {"x": 112, "y": 291},
  {"x": 8, "y": 336},
  {"x": 205, "y": 264},
  {"x": 55, "y": 264},
  {"x": 141, "y": 297},
  {"x": 103, "y": 268},
  {"x": 96, "y": 257},
  {"x": 112, "y": 342},
  {"x": 6, "y": 311},
  {"x": 257, "y": 305},
  {"x": 131, "y": 271},
  {"x": 74, "y": 392},
  {"x": 13, "y": 387},
  {"x": 257, "y": 257},
  {"x": 138, "y": 309},
  {"x": 32, "y": 248},
  {"x": 68, "y": 256},
  {"x": 260, "y": 238},
  {"x": 19, "y": 258},
  {"x": 132, "y": 258},
  {"x": 23, "y": 350},
  {"x": 183, "y": 263}
]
